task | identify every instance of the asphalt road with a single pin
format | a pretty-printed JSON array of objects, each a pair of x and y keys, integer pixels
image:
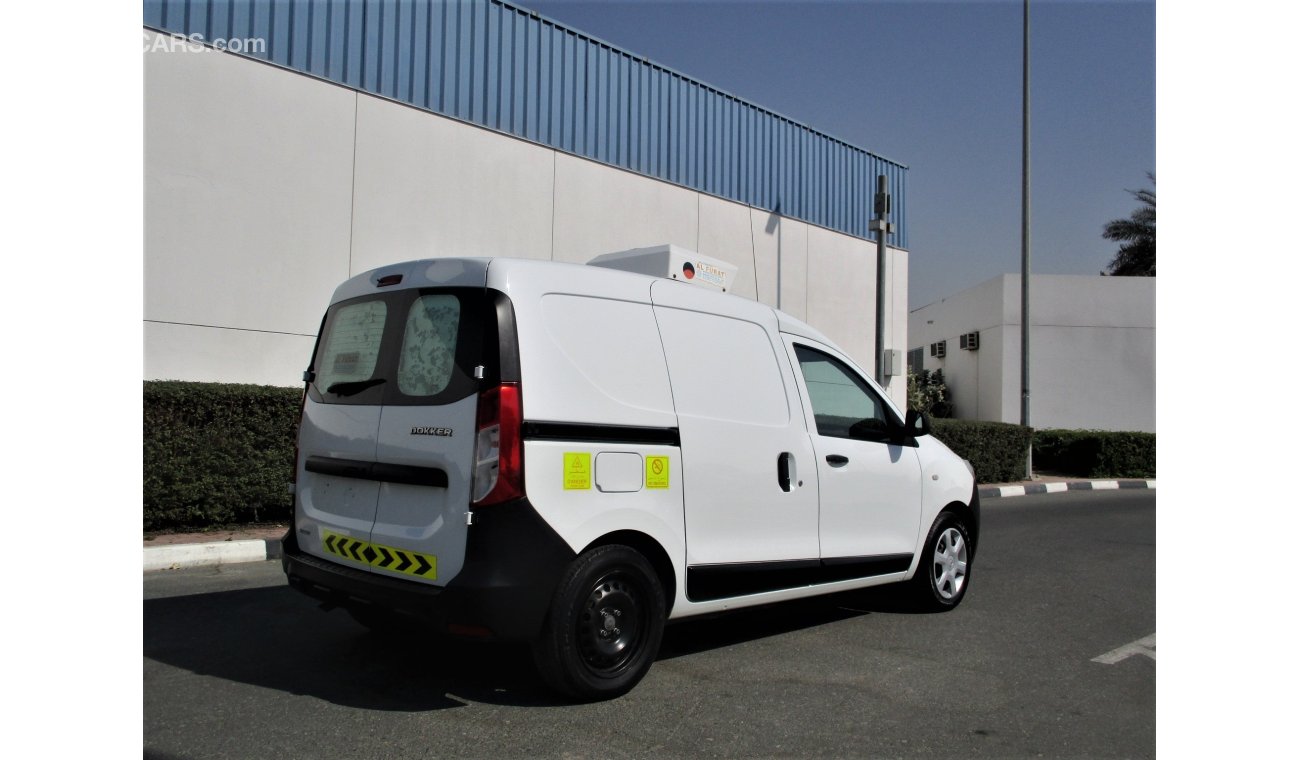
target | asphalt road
[{"x": 237, "y": 665}]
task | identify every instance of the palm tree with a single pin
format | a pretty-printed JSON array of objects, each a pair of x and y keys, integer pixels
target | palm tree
[{"x": 1137, "y": 256}]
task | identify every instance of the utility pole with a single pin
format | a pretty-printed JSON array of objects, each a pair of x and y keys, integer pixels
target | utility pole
[
  {"x": 882, "y": 227},
  {"x": 1024, "y": 249}
]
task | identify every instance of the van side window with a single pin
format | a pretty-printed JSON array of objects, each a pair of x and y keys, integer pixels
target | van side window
[
  {"x": 428, "y": 355},
  {"x": 351, "y": 349},
  {"x": 841, "y": 401}
]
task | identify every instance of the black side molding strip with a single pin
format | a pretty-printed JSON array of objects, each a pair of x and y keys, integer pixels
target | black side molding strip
[
  {"x": 387, "y": 473},
  {"x": 709, "y": 582},
  {"x": 573, "y": 431}
]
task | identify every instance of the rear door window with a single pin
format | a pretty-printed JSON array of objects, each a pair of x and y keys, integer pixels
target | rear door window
[
  {"x": 407, "y": 347},
  {"x": 429, "y": 345},
  {"x": 349, "y": 352}
]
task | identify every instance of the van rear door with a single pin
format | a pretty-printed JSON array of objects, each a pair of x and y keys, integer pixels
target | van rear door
[
  {"x": 338, "y": 431},
  {"x": 428, "y": 428},
  {"x": 386, "y": 446}
]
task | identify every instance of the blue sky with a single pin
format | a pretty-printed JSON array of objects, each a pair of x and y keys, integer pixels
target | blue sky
[{"x": 936, "y": 86}]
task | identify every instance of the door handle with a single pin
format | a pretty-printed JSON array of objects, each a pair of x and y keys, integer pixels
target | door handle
[
  {"x": 785, "y": 470},
  {"x": 836, "y": 460}
]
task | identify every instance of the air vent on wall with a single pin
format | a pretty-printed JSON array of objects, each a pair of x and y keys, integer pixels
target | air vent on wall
[
  {"x": 939, "y": 350},
  {"x": 970, "y": 341}
]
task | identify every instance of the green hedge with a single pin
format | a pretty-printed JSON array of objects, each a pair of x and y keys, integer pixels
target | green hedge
[
  {"x": 1096, "y": 453},
  {"x": 217, "y": 454},
  {"x": 996, "y": 449}
]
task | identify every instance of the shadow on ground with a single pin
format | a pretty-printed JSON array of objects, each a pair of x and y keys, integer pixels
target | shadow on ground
[
  {"x": 278, "y": 639},
  {"x": 729, "y": 629}
]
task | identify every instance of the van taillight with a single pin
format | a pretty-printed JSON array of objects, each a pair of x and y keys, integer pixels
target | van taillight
[{"x": 498, "y": 448}]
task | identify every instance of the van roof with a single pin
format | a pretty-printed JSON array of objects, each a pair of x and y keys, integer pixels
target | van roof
[
  {"x": 472, "y": 271},
  {"x": 793, "y": 326}
]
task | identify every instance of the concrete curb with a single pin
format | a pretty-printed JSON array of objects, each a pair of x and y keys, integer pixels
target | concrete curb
[
  {"x": 996, "y": 492},
  {"x": 176, "y": 556}
]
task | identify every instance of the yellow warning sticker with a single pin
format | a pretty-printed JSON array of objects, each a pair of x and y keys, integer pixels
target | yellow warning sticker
[
  {"x": 577, "y": 470},
  {"x": 402, "y": 561},
  {"x": 656, "y": 472}
]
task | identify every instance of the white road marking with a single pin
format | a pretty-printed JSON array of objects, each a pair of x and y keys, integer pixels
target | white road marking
[
  {"x": 1056, "y": 487},
  {"x": 1145, "y": 646},
  {"x": 1105, "y": 485},
  {"x": 1012, "y": 490}
]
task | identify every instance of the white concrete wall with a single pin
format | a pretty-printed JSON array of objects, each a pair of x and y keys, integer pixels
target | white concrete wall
[
  {"x": 428, "y": 187},
  {"x": 247, "y": 208},
  {"x": 214, "y": 354},
  {"x": 726, "y": 231},
  {"x": 1092, "y": 350},
  {"x": 265, "y": 189},
  {"x": 975, "y": 379},
  {"x": 599, "y": 209}
]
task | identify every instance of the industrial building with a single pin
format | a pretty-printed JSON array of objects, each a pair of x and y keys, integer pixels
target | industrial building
[
  {"x": 1092, "y": 359},
  {"x": 291, "y": 145}
]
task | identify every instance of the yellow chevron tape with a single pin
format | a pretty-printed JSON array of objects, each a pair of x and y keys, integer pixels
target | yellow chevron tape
[{"x": 404, "y": 561}]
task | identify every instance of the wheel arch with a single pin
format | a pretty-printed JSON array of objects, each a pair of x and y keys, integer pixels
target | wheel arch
[
  {"x": 969, "y": 514},
  {"x": 654, "y": 553}
]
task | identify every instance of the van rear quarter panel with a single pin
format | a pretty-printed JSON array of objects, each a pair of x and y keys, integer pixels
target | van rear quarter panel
[
  {"x": 590, "y": 353},
  {"x": 582, "y": 515},
  {"x": 589, "y": 350}
]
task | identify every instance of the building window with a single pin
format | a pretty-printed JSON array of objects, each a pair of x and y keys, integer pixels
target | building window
[{"x": 916, "y": 360}]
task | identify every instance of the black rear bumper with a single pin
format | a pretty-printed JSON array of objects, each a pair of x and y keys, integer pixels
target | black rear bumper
[{"x": 513, "y": 561}]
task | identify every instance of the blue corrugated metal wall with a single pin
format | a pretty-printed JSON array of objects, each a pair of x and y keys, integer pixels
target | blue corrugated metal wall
[{"x": 503, "y": 67}]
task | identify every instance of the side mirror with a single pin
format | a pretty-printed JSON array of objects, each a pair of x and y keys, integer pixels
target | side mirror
[{"x": 917, "y": 424}]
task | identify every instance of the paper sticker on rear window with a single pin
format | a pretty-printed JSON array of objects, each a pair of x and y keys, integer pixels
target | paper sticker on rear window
[{"x": 351, "y": 347}]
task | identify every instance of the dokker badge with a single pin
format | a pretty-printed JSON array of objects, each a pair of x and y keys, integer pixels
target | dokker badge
[{"x": 438, "y": 431}]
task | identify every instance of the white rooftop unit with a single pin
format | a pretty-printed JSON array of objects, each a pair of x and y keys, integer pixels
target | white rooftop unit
[{"x": 672, "y": 262}]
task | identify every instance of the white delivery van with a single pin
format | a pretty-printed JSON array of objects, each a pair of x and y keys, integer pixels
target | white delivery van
[{"x": 572, "y": 455}]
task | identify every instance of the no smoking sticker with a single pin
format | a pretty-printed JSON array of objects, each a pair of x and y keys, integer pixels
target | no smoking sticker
[
  {"x": 656, "y": 472},
  {"x": 577, "y": 471}
]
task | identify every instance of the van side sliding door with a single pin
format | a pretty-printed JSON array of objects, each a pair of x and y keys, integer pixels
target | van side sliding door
[{"x": 748, "y": 472}]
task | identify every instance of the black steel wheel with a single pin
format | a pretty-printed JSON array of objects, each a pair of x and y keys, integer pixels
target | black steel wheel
[{"x": 604, "y": 626}]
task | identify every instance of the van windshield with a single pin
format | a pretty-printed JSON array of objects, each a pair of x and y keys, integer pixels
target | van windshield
[{"x": 405, "y": 347}]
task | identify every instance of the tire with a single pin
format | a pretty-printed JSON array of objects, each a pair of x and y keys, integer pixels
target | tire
[
  {"x": 943, "y": 575},
  {"x": 604, "y": 626}
]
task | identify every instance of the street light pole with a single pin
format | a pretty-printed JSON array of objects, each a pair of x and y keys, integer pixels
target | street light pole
[
  {"x": 1024, "y": 248},
  {"x": 882, "y": 228}
]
